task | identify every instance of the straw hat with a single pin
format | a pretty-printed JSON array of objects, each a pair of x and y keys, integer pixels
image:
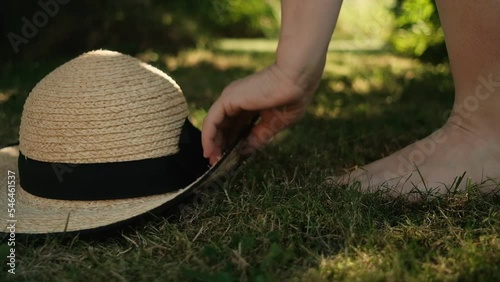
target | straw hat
[{"x": 103, "y": 138}]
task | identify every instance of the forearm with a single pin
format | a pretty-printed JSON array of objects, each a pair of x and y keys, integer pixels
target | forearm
[{"x": 306, "y": 30}]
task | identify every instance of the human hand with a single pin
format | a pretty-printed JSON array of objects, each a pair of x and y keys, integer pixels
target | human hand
[
  {"x": 280, "y": 93},
  {"x": 272, "y": 93}
]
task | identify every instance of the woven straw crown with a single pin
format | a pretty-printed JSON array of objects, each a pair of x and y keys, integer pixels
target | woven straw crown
[{"x": 102, "y": 106}]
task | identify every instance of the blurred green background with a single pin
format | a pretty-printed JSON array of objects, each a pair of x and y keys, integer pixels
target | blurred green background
[{"x": 70, "y": 28}]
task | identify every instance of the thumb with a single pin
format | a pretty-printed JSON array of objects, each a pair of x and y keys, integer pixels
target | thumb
[{"x": 261, "y": 134}]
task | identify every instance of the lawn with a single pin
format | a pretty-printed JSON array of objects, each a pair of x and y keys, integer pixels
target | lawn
[{"x": 275, "y": 218}]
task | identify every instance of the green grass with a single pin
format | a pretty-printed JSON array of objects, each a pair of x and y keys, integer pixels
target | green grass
[{"x": 275, "y": 219}]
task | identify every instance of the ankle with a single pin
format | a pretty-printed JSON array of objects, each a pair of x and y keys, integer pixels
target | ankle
[{"x": 480, "y": 125}]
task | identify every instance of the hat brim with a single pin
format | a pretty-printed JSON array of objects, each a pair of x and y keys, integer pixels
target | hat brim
[{"x": 31, "y": 214}]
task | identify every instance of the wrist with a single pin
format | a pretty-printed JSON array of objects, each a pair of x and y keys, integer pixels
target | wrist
[{"x": 304, "y": 68}]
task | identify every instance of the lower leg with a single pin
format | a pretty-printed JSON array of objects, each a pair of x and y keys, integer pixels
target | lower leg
[
  {"x": 472, "y": 33},
  {"x": 470, "y": 140}
]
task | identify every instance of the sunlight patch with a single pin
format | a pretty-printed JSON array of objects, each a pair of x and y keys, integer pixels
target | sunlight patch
[{"x": 5, "y": 95}]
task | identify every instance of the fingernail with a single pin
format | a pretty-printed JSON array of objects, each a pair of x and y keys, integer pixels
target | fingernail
[{"x": 206, "y": 155}]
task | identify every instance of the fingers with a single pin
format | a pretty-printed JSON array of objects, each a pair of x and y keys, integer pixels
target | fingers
[
  {"x": 226, "y": 133},
  {"x": 217, "y": 150},
  {"x": 258, "y": 138},
  {"x": 221, "y": 127},
  {"x": 263, "y": 132},
  {"x": 217, "y": 127},
  {"x": 210, "y": 134}
]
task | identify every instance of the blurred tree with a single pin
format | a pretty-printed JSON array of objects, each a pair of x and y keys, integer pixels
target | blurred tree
[
  {"x": 68, "y": 28},
  {"x": 242, "y": 18},
  {"x": 418, "y": 30}
]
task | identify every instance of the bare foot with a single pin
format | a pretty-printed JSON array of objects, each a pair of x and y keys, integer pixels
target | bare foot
[
  {"x": 435, "y": 164},
  {"x": 470, "y": 147}
]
